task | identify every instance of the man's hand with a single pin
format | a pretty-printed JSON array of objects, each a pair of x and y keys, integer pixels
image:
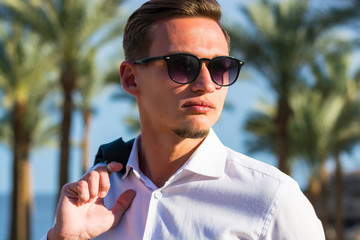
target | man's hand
[{"x": 81, "y": 213}]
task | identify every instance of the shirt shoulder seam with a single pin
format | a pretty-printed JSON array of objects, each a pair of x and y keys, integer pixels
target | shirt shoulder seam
[
  {"x": 278, "y": 175},
  {"x": 270, "y": 216}
]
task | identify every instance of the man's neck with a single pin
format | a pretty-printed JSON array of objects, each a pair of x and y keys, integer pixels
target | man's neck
[{"x": 160, "y": 157}]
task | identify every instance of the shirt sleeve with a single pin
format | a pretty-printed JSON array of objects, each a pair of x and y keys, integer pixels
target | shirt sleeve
[{"x": 295, "y": 217}]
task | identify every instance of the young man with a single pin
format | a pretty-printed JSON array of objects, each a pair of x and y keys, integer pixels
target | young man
[{"x": 188, "y": 185}]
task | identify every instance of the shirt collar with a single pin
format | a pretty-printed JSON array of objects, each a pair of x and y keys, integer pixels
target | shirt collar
[
  {"x": 133, "y": 162},
  {"x": 208, "y": 159}
]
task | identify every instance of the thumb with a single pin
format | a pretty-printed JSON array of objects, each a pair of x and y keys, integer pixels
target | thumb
[
  {"x": 114, "y": 167},
  {"x": 122, "y": 204}
]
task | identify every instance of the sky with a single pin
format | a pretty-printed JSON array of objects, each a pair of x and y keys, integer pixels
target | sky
[{"x": 108, "y": 124}]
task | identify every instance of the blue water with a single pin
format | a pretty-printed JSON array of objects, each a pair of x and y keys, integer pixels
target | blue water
[{"x": 42, "y": 217}]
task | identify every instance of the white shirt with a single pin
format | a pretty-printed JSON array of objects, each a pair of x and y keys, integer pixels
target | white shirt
[{"x": 217, "y": 194}]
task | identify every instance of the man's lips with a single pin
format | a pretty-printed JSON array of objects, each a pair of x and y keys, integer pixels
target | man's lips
[{"x": 198, "y": 106}]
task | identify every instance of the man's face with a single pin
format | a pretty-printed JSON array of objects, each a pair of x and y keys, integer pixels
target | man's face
[{"x": 188, "y": 110}]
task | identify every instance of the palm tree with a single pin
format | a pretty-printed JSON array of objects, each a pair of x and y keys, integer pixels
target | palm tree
[
  {"x": 89, "y": 85},
  {"x": 278, "y": 38},
  {"x": 312, "y": 130},
  {"x": 71, "y": 26},
  {"x": 325, "y": 123},
  {"x": 334, "y": 78},
  {"x": 24, "y": 64}
]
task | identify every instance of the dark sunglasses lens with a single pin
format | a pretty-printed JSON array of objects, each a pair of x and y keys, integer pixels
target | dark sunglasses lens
[
  {"x": 182, "y": 68},
  {"x": 224, "y": 70}
]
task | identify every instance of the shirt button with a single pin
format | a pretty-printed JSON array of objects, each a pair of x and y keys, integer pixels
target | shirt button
[{"x": 158, "y": 194}]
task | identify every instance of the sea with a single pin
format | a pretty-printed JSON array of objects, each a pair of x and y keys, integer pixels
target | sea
[{"x": 43, "y": 213}]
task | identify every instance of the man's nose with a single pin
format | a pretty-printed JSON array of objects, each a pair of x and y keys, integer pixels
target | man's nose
[{"x": 203, "y": 82}]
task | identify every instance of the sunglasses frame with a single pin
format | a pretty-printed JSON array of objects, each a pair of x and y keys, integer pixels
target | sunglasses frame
[{"x": 200, "y": 60}]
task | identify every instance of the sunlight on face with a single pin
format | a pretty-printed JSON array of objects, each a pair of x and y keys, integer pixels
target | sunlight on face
[{"x": 188, "y": 110}]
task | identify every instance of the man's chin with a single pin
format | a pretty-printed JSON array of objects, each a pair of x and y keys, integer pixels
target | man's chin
[{"x": 190, "y": 132}]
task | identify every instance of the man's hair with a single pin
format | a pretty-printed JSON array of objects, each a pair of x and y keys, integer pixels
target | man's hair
[{"x": 138, "y": 35}]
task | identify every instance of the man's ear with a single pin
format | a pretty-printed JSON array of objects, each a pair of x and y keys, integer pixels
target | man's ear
[{"x": 127, "y": 78}]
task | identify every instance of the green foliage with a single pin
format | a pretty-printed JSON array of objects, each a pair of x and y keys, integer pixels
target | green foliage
[
  {"x": 283, "y": 41},
  {"x": 280, "y": 37},
  {"x": 263, "y": 130},
  {"x": 69, "y": 25},
  {"x": 76, "y": 29},
  {"x": 26, "y": 68}
]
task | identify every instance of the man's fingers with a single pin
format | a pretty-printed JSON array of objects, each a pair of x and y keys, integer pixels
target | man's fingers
[
  {"x": 114, "y": 167},
  {"x": 77, "y": 191},
  {"x": 86, "y": 189},
  {"x": 105, "y": 172},
  {"x": 122, "y": 204},
  {"x": 83, "y": 192},
  {"x": 104, "y": 184},
  {"x": 93, "y": 183}
]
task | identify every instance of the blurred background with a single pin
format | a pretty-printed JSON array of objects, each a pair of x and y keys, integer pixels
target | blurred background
[{"x": 295, "y": 105}]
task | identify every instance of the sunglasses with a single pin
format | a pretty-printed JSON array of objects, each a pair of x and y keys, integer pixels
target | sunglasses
[{"x": 184, "y": 68}]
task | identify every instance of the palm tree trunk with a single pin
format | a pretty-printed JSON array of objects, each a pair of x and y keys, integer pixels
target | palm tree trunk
[
  {"x": 313, "y": 191},
  {"x": 339, "y": 218},
  {"x": 68, "y": 79},
  {"x": 85, "y": 141},
  {"x": 282, "y": 120},
  {"x": 21, "y": 197}
]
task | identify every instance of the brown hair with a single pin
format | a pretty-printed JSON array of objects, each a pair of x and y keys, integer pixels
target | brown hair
[{"x": 137, "y": 35}]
